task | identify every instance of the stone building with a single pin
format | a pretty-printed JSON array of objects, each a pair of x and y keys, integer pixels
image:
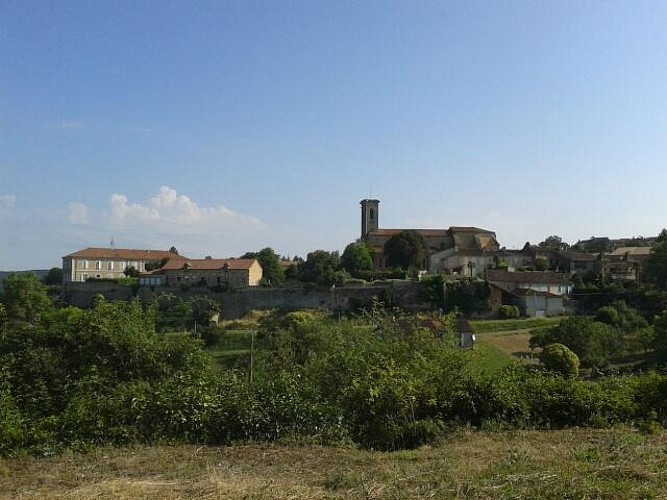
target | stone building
[
  {"x": 234, "y": 273},
  {"x": 109, "y": 263},
  {"x": 440, "y": 243}
]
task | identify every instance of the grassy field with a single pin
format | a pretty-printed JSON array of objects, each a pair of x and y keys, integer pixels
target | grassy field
[
  {"x": 505, "y": 325},
  {"x": 577, "y": 463},
  {"x": 509, "y": 338}
]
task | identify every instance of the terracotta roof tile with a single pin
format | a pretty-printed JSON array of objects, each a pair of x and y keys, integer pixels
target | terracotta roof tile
[
  {"x": 423, "y": 232},
  {"x": 123, "y": 254},
  {"x": 208, "y": 264},
  {"x": 527, "y": 276}
]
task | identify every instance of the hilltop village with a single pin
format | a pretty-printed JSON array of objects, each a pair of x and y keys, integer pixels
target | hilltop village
[{"x": 538, "y": 280}]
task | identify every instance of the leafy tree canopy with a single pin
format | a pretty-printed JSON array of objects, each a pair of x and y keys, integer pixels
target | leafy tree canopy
[
  {"x": 131, "y": 272},
  {"x": 272, "y": 272},
  {"x": 25, "y": 298},
  {"x": 54, "y": 276},
  {"x": 357, "y": 257},
  {"x": 405, "y": 249},
  {"x": 156, "y": 264},
  {"x": 554, "y": 242},
  {"x": 323, "y": 268},
  {"x": 595, "y": 343},
  {"x": 656, "y": 264}
]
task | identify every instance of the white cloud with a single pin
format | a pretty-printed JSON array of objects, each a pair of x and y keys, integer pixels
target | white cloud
[
  {"x": 169, "y": 210},
  {"x": 78, "y": 213},
  {"x": 167, "y": 218},
  {"x": 7, "y": 201}
]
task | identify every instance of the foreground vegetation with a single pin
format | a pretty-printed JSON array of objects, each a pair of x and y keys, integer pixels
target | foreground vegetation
[
  {"x": 577, "y": 463},
  {"x": 74, "y": 379}
]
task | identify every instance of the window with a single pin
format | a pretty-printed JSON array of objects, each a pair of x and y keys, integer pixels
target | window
[
  {"x": 110, "y": 265},
  {"x": 84, "y": 264},
  {"x": 84, "y": 277},
  {"x": 98, "y": 265}
]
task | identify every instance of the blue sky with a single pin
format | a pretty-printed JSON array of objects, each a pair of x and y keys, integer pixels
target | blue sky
[{"x": 223, "y": 127}]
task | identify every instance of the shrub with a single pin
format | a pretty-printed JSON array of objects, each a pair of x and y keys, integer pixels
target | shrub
[
  {"x": 559, "y": 359},
  {"x": 508, "y": 312}
]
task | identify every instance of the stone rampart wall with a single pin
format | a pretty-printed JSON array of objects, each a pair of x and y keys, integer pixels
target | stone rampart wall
[{"x": 234, "y": 304}]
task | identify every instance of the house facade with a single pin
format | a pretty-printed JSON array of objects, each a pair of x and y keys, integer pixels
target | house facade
[
  {"x": 233, "y": 273},
  {"x": 533, "y": 304},
  {"x": 535, "y": 293},
  {"x": 109, "y": 263},
  {"x": 538, "y": 281},
  {"x": 626, "y": 263}
]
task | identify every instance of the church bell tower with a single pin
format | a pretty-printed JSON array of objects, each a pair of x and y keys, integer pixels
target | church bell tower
[{"x": 369, "y": 216}]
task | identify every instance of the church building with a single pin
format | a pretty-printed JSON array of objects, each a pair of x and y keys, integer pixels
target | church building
[{"x": 442, "y": 244}]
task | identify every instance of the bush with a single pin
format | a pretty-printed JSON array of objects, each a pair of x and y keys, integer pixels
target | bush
[
  {"x": 559, "y": 359},
  {"x": 508, "y": 312}
]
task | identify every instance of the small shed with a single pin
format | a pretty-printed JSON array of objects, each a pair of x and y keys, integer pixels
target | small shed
[
  {"x": 464, "y": 331},
  {"x": 534, "y": 304}
]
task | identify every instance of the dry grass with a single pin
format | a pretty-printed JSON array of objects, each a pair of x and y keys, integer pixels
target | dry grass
[
  {"x": 575, "y": 463},
  {"x": 515, "y": 344}
]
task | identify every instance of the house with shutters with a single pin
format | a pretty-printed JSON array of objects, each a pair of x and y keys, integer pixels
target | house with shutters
[
  {"x": 109, "y": 263},
  {"x": 233, "y": 273}
]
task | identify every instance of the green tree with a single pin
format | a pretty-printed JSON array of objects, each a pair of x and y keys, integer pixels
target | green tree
[
  {"x": 273, "y": 272},
  {"x": 131, "y": 272},
  {"x": 655, "y": 270},
  {"x": 595, "y": 343},
  {"x": 554, "y": 242},
  {"x": 357, "y": 258},
  {"x": 405, "y": 249},
  {"x": 659, "y": 337},
  {"x": 156, "y": 264},
  {"x": 558, "y": 358},
  {"x": 323, "y": 268},
  {"x": 467, "y": 295},
  {"x": 25, "y": 298},
  {"x": 53, "y": 277},
  {"x": 541, "y": 264}
]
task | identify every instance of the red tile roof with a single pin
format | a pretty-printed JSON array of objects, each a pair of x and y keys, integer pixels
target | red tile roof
[
  {"x": 469, "y": 229},
  {"x": 423, "y": 232},
  {"x": 527, "y": 276},
  {"x": 208, "y": 264},
  {"x": 123, "y": 254}
]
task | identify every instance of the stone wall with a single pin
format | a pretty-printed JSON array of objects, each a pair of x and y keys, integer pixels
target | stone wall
[{"x": 234, "y": 304}]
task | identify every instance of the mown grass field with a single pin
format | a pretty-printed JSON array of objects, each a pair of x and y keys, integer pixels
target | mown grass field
[
  {"x": 510, "y": 337},
  {"x": 578, "y": 463}
]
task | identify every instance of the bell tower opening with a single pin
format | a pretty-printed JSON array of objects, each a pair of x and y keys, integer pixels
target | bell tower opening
[{"x": 369, "y": 216}]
